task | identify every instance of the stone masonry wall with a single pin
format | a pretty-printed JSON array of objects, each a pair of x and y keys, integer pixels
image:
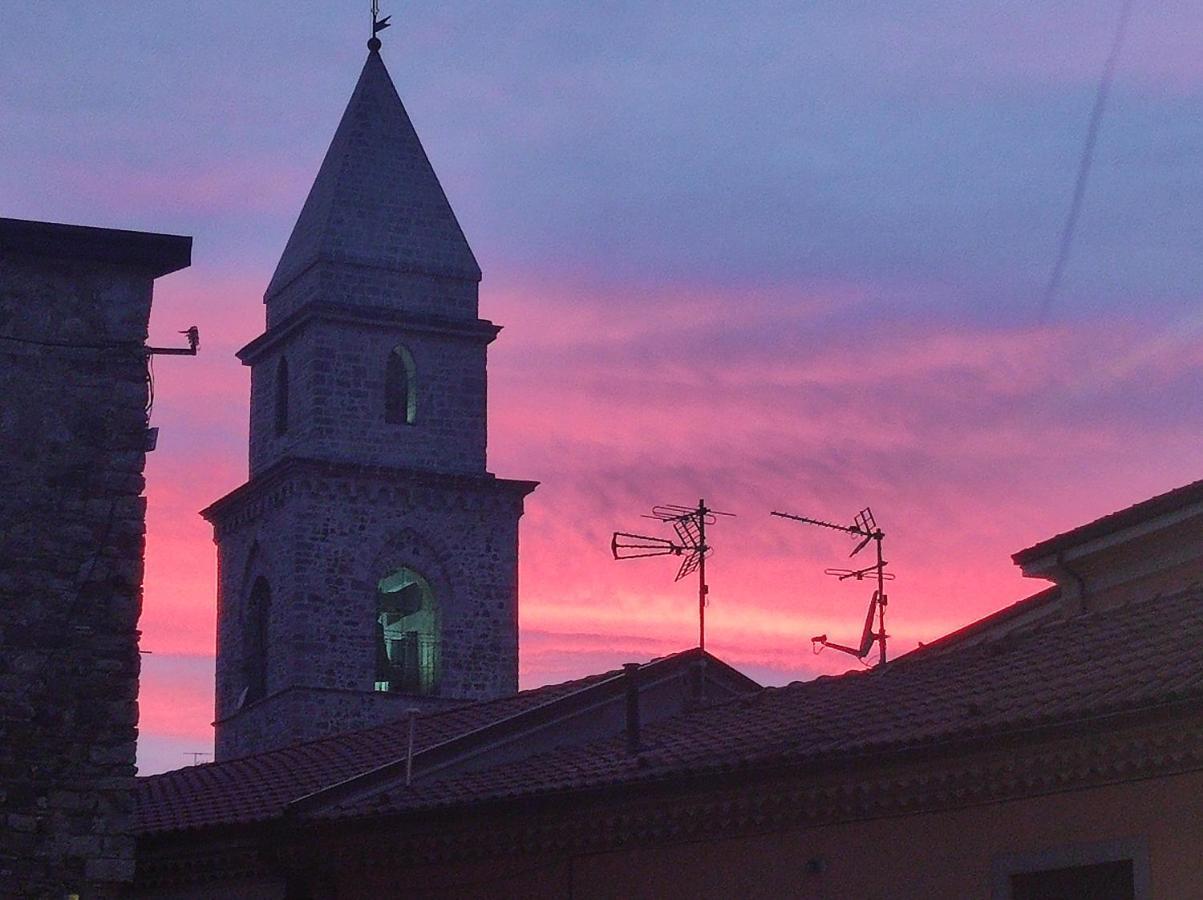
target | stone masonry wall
[
  {"x": 336, "y": 399},
  {"x": 72, "y": 436},
  {"x": 346, "y": 283},
  {"x": 323, "y": 539}
]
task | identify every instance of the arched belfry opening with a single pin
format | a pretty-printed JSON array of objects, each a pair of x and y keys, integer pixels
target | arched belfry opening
[
  {"x": 407, "y": 634},
  {"x": 255, "y": 643},
  {"x": 281, "y": 410},
  {"x": 400, "y": 387}
]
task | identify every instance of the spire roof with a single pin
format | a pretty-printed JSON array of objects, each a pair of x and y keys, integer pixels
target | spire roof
[{"x": 376, "y": 200}]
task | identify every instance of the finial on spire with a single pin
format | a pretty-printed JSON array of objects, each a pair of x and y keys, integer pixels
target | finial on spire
[{"x": 378, "y": 25}]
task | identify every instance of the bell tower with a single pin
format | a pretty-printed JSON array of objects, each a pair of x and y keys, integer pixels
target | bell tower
[{"x": 370, "y": 562}]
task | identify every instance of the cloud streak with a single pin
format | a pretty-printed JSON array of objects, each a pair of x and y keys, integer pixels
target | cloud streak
[{"x": 780, "y": 256}]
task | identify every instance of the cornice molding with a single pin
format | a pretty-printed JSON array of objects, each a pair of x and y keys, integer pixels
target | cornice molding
[
  {"x": 413, "y": 487},
  {"x": 394, "y": 320}
]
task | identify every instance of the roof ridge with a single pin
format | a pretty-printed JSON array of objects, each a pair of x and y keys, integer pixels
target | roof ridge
[
  {"x": 1117, "y": 520},
  {"x": 584, "y": 681},
  {"x": 590, "y": 684}
]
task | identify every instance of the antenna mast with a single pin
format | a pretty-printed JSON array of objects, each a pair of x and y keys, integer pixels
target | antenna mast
[
  {"x": 689, "y": 522},
  {"x": 865, "y": 527}
]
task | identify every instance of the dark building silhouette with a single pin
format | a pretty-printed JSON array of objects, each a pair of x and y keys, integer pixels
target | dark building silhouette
[
  {"x": 370, "y": 564},
  {"x": 74, "y": 306},
  {"x": 1053, "y": 749}
]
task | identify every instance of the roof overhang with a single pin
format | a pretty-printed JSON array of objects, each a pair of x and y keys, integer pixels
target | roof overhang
[{"x": 148, "y": 252}]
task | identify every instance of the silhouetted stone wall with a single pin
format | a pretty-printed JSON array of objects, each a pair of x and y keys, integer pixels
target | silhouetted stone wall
[{"x": 72, "y": 520}]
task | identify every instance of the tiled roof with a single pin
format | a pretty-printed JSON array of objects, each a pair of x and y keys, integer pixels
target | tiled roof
[
  {"x": 258, "y": 787},
  {"x": 1119, "y": 660},
  {"x": 1170, "y": 501}
]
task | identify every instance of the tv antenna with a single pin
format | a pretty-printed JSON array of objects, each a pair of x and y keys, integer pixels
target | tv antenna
[
  {"x": 865, "y": 527},
  {"x": 689, "y": 522}
]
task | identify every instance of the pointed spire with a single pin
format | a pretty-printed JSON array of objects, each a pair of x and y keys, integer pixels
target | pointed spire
[{"x": 376, "y": 200}]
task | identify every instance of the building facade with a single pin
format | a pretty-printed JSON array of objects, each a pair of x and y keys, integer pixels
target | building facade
[
  {"x": 74, "y": 307},
  {"x": 370, "y": 563}
]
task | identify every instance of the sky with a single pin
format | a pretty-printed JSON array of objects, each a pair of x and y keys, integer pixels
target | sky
[{"x": 780, "y": 255}]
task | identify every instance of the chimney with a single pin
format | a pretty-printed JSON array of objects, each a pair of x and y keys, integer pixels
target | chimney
[
  {"x": 631, "y": 671},
  {"x": 697, "y": 681}
]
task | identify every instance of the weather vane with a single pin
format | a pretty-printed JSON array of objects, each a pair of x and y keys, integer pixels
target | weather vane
[
  {"x": 689, "y": 522},
  {"x": 378, "y": 25}
]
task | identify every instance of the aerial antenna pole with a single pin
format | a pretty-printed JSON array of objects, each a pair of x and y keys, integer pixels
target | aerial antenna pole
[
  {"x": 703, "y": 587},
  {"x": 865, "y": 527},
  {"x": 689, "y": 523}
]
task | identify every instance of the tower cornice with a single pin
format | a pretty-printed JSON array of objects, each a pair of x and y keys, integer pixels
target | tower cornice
[
  {"x": 281, "y": 474},
  {"x": 372, "y": 316}
]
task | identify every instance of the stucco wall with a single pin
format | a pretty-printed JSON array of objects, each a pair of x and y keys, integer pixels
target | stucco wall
[{"x": 950, "y": 854}]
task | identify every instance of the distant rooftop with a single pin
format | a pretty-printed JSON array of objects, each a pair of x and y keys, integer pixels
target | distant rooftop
[
  {"x": 264, "y": 785},
  {"x": 156, "y": 254},
  {"x": 1175, "y": 501}
]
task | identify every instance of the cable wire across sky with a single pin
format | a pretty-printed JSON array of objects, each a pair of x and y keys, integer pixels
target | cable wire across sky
[{"x": 1092, "y": 136}]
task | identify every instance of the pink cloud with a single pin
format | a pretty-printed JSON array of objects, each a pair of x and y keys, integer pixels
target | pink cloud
[
  {"x": 968, "y": 442},
  {"x": 175, "y": 701},
  {"x": 229, "y": 186}
]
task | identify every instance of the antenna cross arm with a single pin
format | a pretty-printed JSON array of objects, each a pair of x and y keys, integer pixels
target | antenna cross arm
[{"x": 859, "y": 574}]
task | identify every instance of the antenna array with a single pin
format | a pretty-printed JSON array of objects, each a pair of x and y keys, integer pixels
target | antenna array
[
  {"x": 865, "y": 527},
  {"x": 689, "y": 523}
]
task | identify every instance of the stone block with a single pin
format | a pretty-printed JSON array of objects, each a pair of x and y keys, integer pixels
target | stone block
[{"x": 110, "y": 870}]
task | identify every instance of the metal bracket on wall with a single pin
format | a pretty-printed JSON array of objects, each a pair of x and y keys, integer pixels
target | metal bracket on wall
[{"x": 193, "y": 336}]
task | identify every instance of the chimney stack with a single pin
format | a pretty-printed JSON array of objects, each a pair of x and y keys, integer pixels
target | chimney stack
[{"x": 631, "y": 671}]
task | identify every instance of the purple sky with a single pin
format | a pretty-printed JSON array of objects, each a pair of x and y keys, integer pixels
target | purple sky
[{"x": 781, "y": 255}]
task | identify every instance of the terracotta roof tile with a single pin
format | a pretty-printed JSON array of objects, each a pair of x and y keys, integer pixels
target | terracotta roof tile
[
  {"x": 1125, "y": 659},
  {"x": 258, "y": 787}
]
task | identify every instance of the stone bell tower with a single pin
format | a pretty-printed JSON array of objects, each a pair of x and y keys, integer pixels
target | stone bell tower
[{"x": 370, "y": 562}]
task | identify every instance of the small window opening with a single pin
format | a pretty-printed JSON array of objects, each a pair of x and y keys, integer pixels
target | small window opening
[
  {"x": 407, "y": 634},
  {"x": 400, "y": 387},
  {"x": 254, "y": 640},
  {"x": 282, "y": 397},
  {"x": 1100, "y": 881}
]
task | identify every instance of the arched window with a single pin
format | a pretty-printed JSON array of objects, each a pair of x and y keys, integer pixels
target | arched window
[
  {"x": 281, "y": 397},
  {"x": 407, "y": 634},
  {"x": 400, "y": 387},
  {"x": 254, "y": 640}
]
